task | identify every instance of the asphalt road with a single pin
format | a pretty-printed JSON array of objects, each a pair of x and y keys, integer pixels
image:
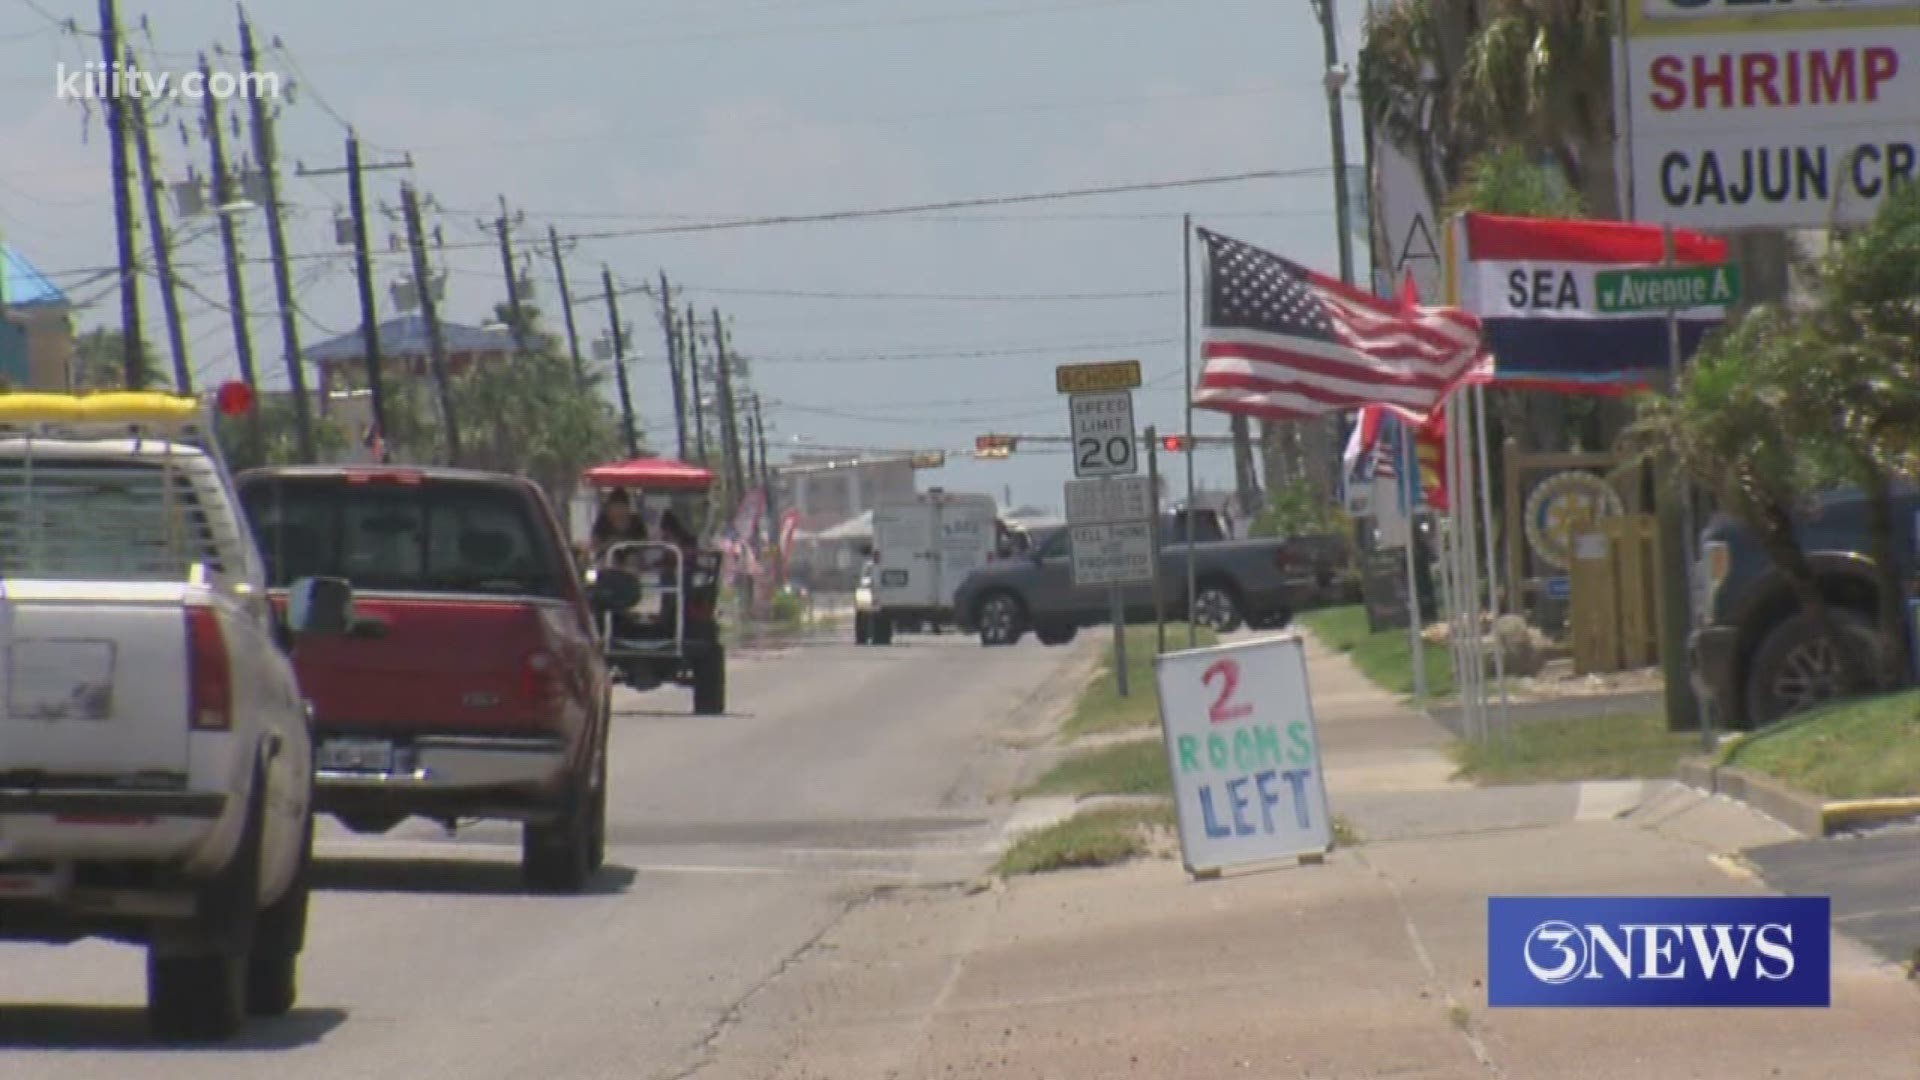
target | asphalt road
[
  {"x": 734, "y": 842},
  {"x": 1869, "y": 877}
]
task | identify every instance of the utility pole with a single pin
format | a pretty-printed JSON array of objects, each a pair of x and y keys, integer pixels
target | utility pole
[
  {"x": 1323, "y": 438},
  {"x": 629, "y": 429},
  {"x": 363, "y": 269},
  {"x": 423, "y": 285},
  {"x": 690, "y": 334},
  {"x": 132, "y": 354},
  {"x": 673, "y": 366},
  {"x": 729, "y": 427},
  {"x": 515, "y": 312},
  {"x": 566, "y": 307},
  {"x": 766, "y": 471},
  {"x": 162, "y": 243},
  {"x": 263, "y": 152},
  {"x": 223, "y": 197}
]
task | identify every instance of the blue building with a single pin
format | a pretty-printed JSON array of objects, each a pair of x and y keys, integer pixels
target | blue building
[{"x": 36, "y": 328}]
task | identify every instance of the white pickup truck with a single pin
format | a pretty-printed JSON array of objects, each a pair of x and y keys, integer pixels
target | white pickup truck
[{"x": 155, "y": 758}]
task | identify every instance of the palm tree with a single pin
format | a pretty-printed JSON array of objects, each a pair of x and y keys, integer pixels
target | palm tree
[
  {"x": 1447, "y": 80},
  {"x": 1539, "y": 74}
]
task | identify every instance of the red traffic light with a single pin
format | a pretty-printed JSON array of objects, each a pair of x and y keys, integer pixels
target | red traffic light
[
  {"x": 1173, "y": 444},
  {"x": 234, "y": 398}
]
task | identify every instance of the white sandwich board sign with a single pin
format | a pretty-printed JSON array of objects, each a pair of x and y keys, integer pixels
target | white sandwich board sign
[{"x": 1240, "y": 739}]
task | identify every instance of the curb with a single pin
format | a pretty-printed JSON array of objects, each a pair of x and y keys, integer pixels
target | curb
[{"x": 1808, "y": 815}]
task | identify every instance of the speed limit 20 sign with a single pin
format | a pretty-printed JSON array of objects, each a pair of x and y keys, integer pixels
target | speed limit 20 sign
[{"x": 1103, "y": 438}]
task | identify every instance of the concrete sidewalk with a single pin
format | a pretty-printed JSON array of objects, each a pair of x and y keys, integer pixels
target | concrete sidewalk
[{"x": 1370, "y": 965}]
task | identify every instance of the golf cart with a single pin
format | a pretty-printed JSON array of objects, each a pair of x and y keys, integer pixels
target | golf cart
[{"x": 658, "y": 604}]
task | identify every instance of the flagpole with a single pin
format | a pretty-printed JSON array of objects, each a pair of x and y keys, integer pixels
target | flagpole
[
  {"x": 1186, "y": 267},
  {"x": 1470, "y": 557},
  {"x": 1410, "y": 486},
  {"x": 1493, "y": 574}
]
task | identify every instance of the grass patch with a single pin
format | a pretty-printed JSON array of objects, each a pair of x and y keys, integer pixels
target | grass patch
[
  {"x": 1130, "y": 768},
  {"x": 1866, "y": 748},
  {"x": 1345, "y": 834},
  {"x": 1097, "y": 838},
  {"x": 1101, "y": 708},
  {"x": 1619, "y": 747},
  {"x": 1385, "y": 658}
]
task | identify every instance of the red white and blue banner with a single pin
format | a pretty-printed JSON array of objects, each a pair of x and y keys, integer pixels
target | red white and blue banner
[{"x": 1532, "y": 282}]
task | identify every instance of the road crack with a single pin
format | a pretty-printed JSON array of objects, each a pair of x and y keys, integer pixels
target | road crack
[{"x": 707, "y": 1049}]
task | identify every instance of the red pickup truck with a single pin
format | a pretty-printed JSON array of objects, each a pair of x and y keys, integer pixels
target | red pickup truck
[{"x": 472, "y": 683}]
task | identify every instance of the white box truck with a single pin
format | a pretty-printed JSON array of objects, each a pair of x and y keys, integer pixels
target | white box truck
[{"x": 924, "y": 546}]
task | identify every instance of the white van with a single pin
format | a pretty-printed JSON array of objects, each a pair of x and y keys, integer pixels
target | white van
[{"x": 923, "y": 548}]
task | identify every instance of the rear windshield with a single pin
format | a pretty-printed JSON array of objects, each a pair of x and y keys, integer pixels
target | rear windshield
[
  {"x": 106, "y": 519},
  {"x": 435, "y": 537}
]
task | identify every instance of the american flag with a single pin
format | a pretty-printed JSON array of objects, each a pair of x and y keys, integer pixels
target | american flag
[{"x": 1282, "y": 342}]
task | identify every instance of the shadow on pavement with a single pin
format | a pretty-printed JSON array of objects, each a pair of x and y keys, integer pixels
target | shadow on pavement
[
  {"x": 430, "y": 875},
  {"x": 124, "y": 1027}
]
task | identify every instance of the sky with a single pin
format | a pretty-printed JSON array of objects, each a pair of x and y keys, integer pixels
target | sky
[{"x": 599, "y": 116}]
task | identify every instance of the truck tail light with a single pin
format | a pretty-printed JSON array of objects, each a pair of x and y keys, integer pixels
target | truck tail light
[
  {"x": 539, "y": 676},
  {"x": 209, "y": 678},
  {"x": 1283, "y": 558},
  {"x": 1718, "y": 560}
]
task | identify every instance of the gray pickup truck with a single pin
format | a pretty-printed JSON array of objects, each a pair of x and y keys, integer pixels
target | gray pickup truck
[{"x": 1251, "y": 582}]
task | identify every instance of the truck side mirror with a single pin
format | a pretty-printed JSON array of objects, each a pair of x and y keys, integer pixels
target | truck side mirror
[{"x": 320, "y": 607}]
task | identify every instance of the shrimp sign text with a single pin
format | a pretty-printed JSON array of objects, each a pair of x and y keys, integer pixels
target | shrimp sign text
[{"x": 1241, "y": 745}]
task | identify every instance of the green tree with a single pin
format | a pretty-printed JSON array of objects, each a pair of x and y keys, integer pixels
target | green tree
[
  {"x": 1722, "y": 430},
  {"x": 1857, "y": 406},
  {"x": 99, "y": 362},
  {"x": 524, "y": 414},
  {"x": 1786, "y": 402}
]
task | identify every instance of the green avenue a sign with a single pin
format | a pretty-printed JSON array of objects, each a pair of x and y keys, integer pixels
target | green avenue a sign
[{"x": 1667, "y": 288}]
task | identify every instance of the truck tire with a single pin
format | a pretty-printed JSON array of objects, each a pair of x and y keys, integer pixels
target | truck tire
[
  {"x": 1002, "y": 619},
  {"x": 273, "y": 964},
  {"x": 882, "y": 632},
  {"x": 200, "y": 994},
  {"x": 1795, "y": 668},
  {"x": 1216, "y": 607},
  {"x": 710, "y": 683},
  {"x": 555, "y": 855},
  {"x": 1057, "y": 634},
  {"x": 597, "y": 841},
  {"x": 862, "y": 628},
  {"x": 198, "y": 997}
]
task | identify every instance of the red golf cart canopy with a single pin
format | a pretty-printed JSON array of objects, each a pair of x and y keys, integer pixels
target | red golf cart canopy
[{"x": 651, "y": 474}]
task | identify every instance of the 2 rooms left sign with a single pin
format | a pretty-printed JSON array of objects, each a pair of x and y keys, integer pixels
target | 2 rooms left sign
[{"x": 1240, "y": 740}]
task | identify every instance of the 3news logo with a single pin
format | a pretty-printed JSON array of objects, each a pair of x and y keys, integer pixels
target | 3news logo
[{"x": 1659, "y": 951}]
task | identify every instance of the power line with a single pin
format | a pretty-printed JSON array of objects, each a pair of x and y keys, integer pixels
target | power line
[
  {"x": 858, "y": 214},
  {"x": 959, "y": 204},
  {"x": 969, "y": 354},
  {"x": 804, "y": 294}
]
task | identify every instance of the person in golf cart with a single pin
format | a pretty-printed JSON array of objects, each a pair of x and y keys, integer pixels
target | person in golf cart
[{"x": 621, "y": 522}]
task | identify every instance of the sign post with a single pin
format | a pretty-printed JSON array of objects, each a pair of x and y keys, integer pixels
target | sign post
[
  {"x": 1109, "y": 511},
  {"x": 1238, "y": 726},
  {"x": 1153, "y": 494}
]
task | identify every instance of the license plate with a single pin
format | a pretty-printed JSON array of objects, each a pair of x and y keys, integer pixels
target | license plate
[
  {"x": 50, "y": 679},
  {"x": 356, "y": 755}
]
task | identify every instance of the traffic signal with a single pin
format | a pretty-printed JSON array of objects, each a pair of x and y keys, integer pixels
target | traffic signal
[
  {"x": 1173, "y": 444},
  {"x": 993, "y": 446}
]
